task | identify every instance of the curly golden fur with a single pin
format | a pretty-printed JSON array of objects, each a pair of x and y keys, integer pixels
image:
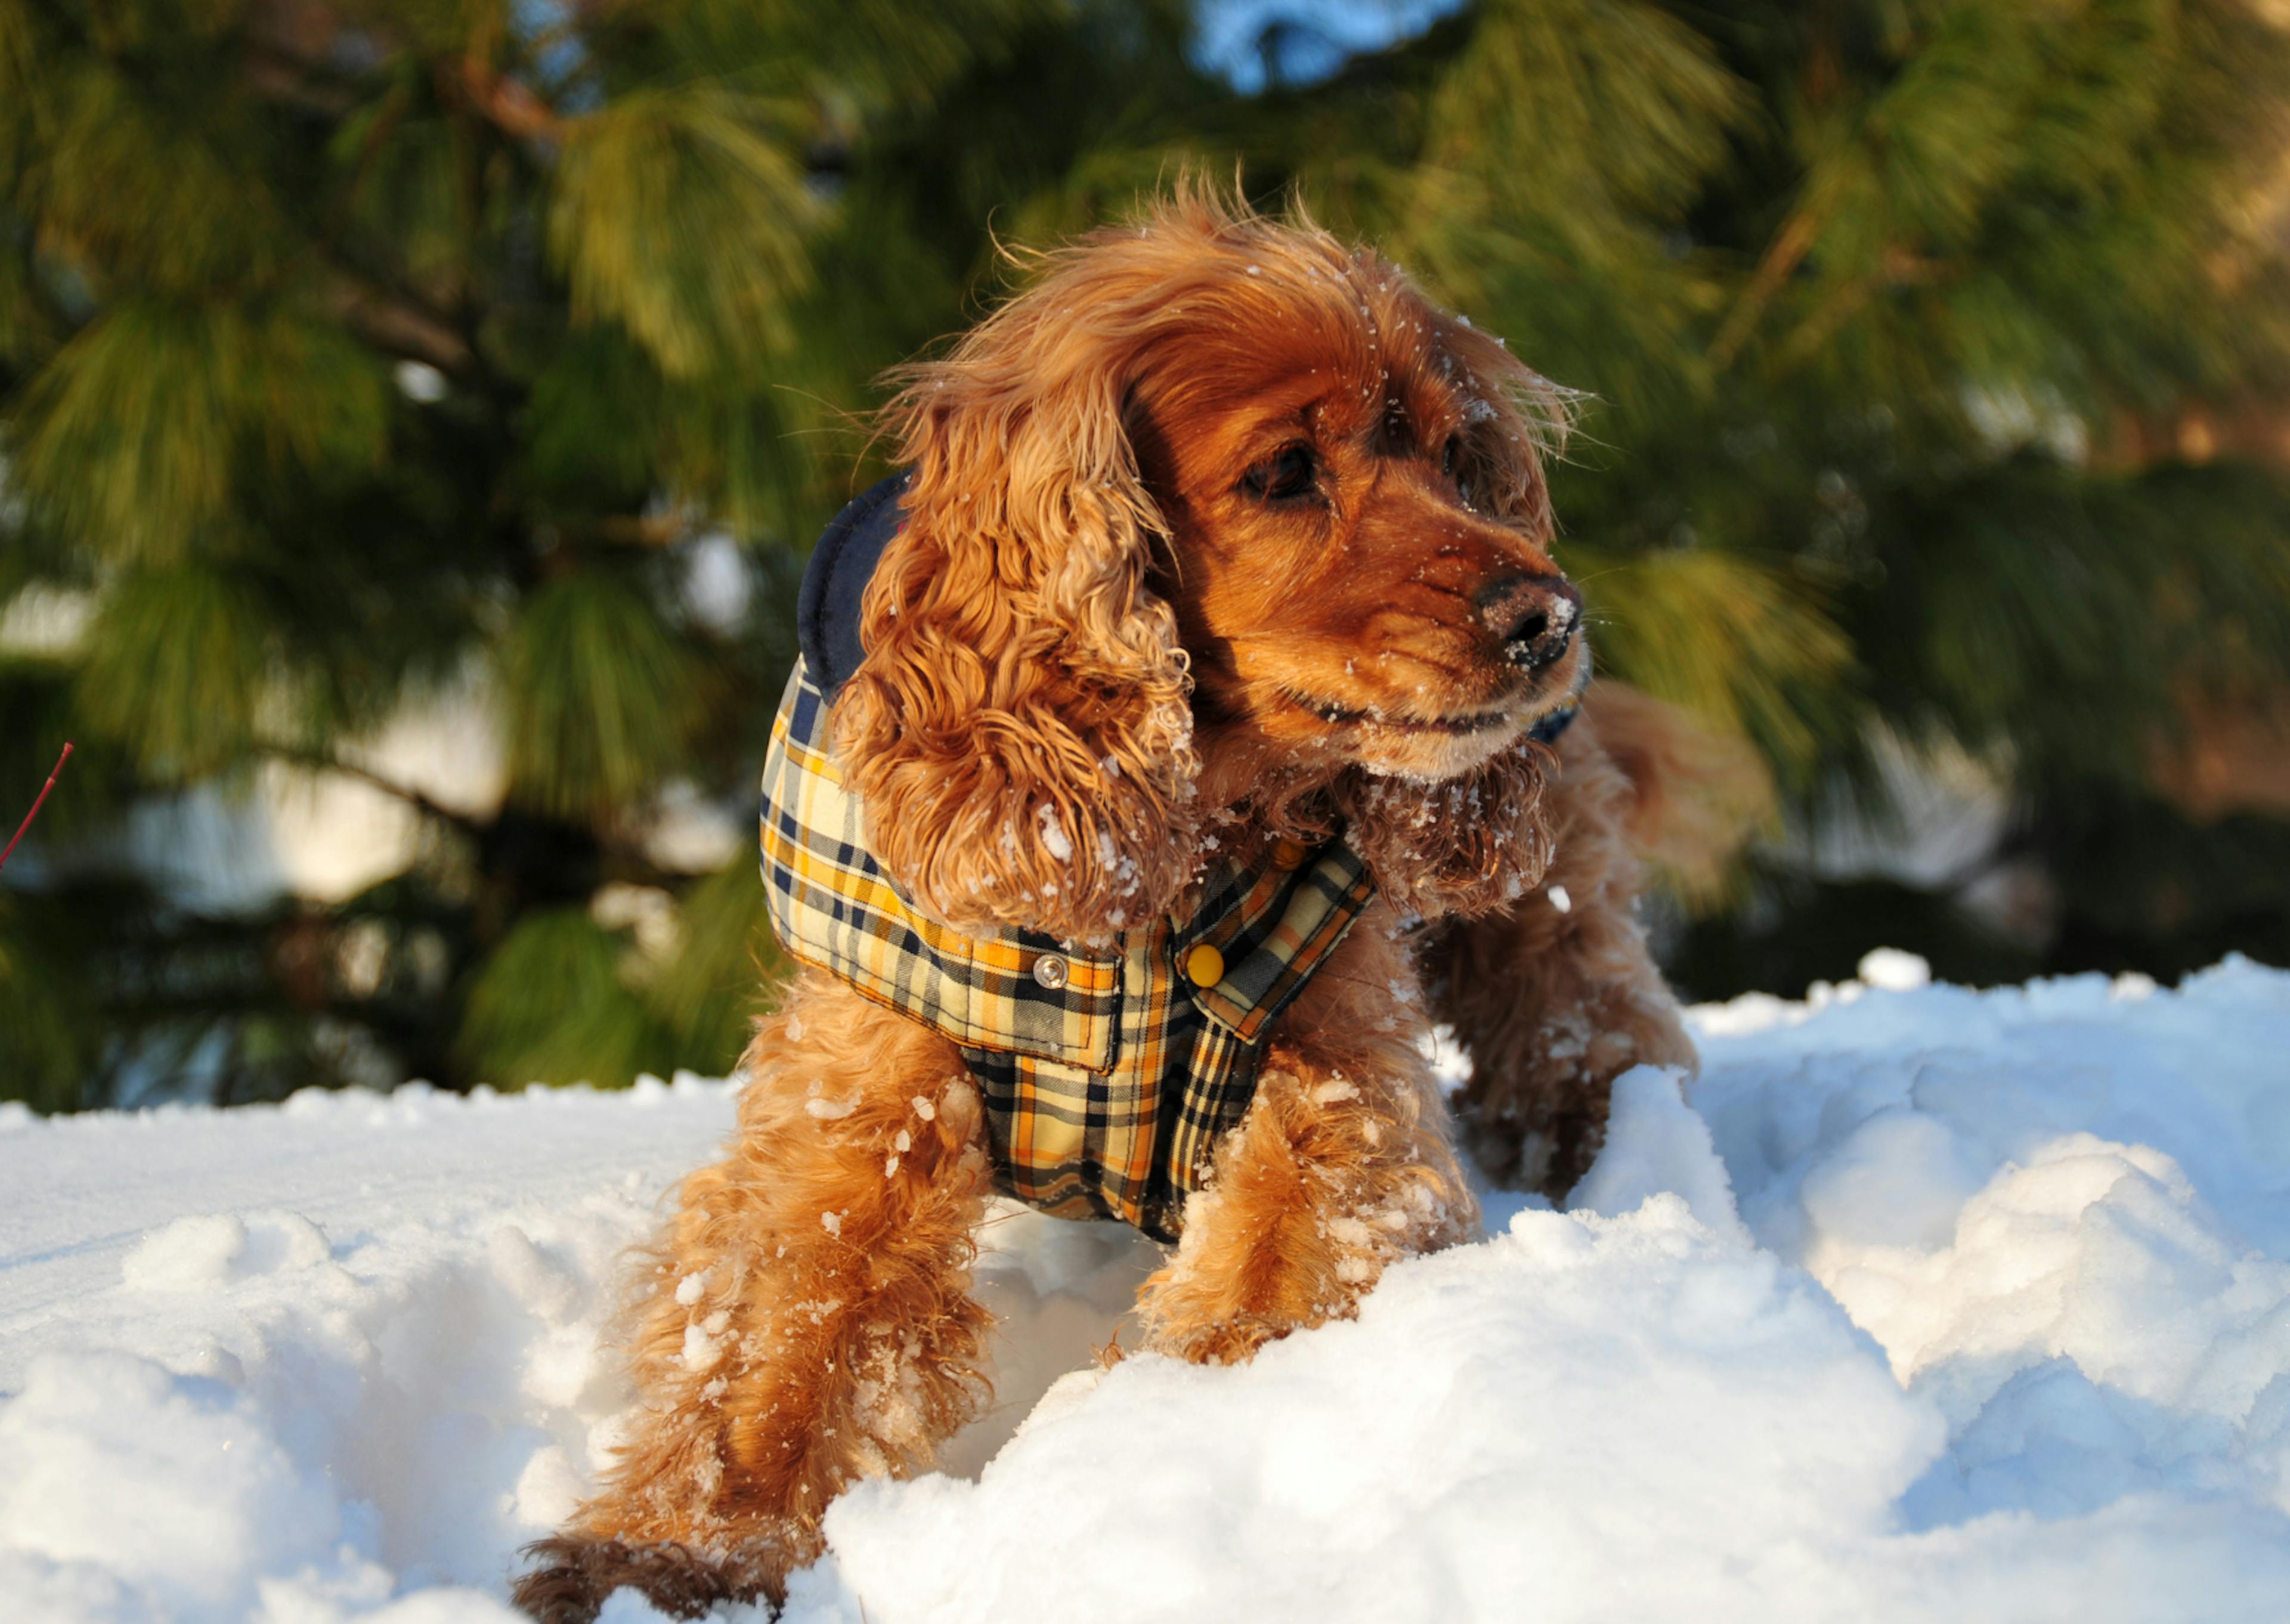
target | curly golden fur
[{"x": 1220, "y": 532}]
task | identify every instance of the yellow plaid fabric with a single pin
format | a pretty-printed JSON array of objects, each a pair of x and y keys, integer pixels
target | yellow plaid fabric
[{"x": 1105, "y": 1086}]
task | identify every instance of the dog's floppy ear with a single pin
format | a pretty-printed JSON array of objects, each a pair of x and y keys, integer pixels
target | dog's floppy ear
[{"x": 1020, "y": 729}]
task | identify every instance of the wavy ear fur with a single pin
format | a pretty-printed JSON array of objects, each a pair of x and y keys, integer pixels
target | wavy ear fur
[{"x": 1020, "y": 728}]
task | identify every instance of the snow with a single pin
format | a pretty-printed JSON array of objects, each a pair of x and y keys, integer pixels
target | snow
[
  {"x": 1054, "y": 838},
  {"x": 1919, "y": 1303}
]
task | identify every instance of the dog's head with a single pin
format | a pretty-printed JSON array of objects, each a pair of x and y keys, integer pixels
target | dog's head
[{"x": 1218, "y": 511}]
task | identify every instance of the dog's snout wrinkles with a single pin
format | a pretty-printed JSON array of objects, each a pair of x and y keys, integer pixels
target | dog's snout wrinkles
[{"x": 1535, "y": 617}]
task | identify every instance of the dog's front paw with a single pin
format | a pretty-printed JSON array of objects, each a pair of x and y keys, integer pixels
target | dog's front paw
[
  {"x": 573, "y": 1575},
  {"x": 1232, "y": 1339},
  {"x": 1538, "y": 1148},
  {"x": 1536, "y": 1119}
]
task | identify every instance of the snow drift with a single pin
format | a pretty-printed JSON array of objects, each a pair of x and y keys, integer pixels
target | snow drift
[{"x": 1920, "y": 1303}]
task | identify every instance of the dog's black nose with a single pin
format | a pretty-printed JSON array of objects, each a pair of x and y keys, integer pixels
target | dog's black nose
[{"x": 1535, "y": 617}]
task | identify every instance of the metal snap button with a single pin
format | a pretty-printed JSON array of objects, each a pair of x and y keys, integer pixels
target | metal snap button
[
  {"x": 1205, "y": 965},
  {"x": 1051, "y": 971}
]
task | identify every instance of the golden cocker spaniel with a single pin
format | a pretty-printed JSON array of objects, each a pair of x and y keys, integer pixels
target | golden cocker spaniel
[{"x": 1204, "y": 743}]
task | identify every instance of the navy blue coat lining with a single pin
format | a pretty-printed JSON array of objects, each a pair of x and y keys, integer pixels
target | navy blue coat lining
[{"x": 826, "y": 609}]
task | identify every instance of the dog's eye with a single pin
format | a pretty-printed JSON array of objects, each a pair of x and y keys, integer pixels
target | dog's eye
[
  {"x": 1451, "y": 464},
  {"x": 1286, "y": 473}
]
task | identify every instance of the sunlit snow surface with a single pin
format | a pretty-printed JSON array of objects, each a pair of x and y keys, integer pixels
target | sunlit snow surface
[{"x": 1926, "y": 1304}]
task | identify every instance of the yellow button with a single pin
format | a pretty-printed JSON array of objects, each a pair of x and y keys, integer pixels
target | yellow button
[
  {"x": 1205, "y": 965},
  {"x": 1288, "y": 854}
]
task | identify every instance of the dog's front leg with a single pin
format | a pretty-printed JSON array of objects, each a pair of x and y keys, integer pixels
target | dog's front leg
[
  {"x": 1342, "y": 1164},
  {"x": 805, "y": 1322},
  {"x": 1558, "y": 995}
]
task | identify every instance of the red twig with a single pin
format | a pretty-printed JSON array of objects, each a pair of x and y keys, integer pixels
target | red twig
[{"x": 40, "y": 802}]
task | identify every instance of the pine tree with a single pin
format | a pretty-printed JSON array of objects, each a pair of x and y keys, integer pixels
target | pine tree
[
  {"x": 1888, "y": 310},
  {"x": 358, "y": 353},
  {"x": 350, "y": 355}
]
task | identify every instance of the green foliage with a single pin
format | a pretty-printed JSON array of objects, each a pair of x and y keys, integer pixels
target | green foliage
[
  {"x": 713, "y": 984},
  {"x": 353, "y": 356},
  {"x": 597, "y": 694},
  {"x": 2066, "y": 616},
  {"x": 44, "y": 1026},
  {"x": 1625, "y": 107},
  {"x": 137, "y": 433},
  {"x": 587, "y": 1024},
  {"x": 680, "y": 213},
  {"x": 128, "y": 164},
  {"x": 175, "y": 672},
  {"x": 612, "y": 1009},
  {"x": 1731, "y": 637}
]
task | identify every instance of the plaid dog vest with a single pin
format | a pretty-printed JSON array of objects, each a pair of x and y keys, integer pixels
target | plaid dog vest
[{"x": 1107, "y": 1076}]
